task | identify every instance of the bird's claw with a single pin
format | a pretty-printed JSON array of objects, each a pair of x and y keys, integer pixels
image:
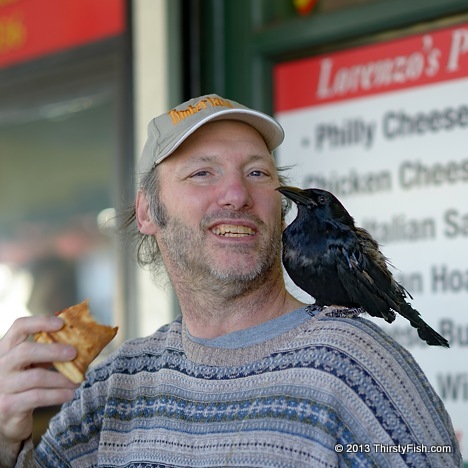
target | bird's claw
[{"x": 342, "y": 311}]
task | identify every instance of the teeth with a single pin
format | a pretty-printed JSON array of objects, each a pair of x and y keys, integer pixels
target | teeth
[{"x": 232, "y": 230}]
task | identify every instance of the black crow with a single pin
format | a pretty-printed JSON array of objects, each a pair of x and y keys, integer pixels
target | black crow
[{"x": 340, "y": 264}]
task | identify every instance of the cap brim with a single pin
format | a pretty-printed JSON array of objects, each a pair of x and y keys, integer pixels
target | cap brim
[{"x": 270, "y": 130}]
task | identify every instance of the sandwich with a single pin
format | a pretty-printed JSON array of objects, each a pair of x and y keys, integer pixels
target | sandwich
[{"x": 80, "y": 330}]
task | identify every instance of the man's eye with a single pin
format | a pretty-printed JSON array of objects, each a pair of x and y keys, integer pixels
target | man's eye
[
  {"x": 200, "y": 174},
  {"x": 257, "y": 174}
]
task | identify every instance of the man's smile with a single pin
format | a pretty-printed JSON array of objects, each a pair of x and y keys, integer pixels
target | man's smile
[{"x": 232, "y": 230}]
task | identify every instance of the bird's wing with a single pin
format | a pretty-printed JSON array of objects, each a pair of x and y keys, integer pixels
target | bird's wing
[
  {"x": 366, "y": 283},
  {"x": 370, "y": 249}
]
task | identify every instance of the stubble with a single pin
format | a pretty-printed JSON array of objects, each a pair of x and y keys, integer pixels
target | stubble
[{"x": 196, "y": 264}]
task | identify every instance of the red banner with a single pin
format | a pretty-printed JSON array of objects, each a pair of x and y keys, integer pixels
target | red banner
[
  {"x": 33, "y": 28},
  {"x": 364, "y": 71}
]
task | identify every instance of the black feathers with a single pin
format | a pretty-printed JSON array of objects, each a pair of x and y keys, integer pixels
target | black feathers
[{"x": 340, "y": 264}]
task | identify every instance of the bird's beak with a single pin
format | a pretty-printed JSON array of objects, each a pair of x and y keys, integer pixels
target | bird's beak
[{"x": 297, "y": 195}]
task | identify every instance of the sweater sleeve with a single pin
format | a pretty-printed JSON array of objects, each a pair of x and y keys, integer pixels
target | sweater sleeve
[{"x": 26, "y": 456}]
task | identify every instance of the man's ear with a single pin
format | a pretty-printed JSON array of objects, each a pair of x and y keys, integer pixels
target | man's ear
[{"x": 143, "y": 218}]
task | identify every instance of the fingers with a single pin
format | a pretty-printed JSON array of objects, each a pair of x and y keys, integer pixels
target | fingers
[
  {"x": 25, "y": 326},
  {"x": 29, "y": 353},
  {"x": 25, "y": 381},
  {"x": 34, "y": 378},
  {"x": 17, "y": 405},
  {"x": 23, "y": 364},
  {"x": 16, "y": 353},
  {"x": 16, "y": 411}
]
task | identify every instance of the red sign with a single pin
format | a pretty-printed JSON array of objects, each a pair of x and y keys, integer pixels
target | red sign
[
  {"x": 33, "y": 28},
  {"x": 410, "y": 62}
]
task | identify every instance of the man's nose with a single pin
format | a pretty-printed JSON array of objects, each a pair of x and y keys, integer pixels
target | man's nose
[{"x": 234, "y": 193}]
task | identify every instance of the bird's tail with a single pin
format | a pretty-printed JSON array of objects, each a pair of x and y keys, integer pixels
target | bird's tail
[
  {"x": 431, "y": 337},
  {"x": 425, "y": 332}
]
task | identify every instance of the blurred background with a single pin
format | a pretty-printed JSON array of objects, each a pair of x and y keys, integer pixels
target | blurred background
[{"x": 80, "y": 80}]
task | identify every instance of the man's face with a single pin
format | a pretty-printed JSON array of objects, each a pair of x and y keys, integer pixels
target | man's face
[{"x": 223, "y": 213}]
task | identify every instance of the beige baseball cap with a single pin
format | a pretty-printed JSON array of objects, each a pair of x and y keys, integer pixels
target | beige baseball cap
[{"x": 167, "y": 131}]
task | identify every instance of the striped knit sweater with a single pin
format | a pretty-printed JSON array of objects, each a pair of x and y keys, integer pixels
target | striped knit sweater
[{"x": 332, "y": 391}]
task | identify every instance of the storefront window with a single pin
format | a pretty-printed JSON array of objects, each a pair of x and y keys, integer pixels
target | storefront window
[{"x": 57, "y": 163}]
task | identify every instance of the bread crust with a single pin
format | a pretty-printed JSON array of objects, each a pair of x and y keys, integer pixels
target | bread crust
[{"x": 80, "y": 330}]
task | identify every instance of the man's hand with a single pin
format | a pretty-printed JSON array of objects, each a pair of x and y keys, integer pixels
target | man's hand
[{"x": 26, "y": 381}]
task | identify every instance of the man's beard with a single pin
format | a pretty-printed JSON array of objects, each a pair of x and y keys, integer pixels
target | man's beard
[{"x": 189, "y": 251}]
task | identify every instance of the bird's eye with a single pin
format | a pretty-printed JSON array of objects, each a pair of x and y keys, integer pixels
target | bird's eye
[{"x": 322, "y": 200}]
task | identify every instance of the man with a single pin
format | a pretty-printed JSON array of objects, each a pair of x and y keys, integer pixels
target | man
[{"x": 247, "y": 376}]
